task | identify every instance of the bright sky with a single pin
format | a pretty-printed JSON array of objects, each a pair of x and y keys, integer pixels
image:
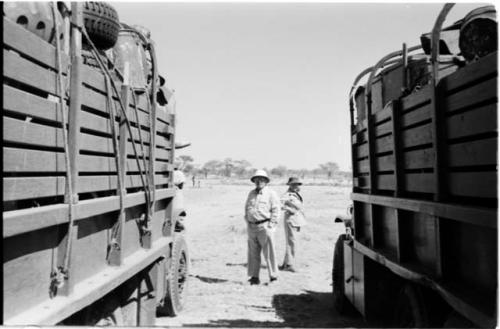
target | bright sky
[{"x": 269, "y": 82}]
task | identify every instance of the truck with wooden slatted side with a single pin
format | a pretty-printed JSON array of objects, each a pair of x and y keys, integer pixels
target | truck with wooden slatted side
[
  {"x": 89, "y": 221},
  {"x": 420, "y": 248}
]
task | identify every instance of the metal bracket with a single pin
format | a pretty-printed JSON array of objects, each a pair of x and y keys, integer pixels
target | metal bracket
[
  {"x": 58, "y": 278},
  {"x": 145, "y": 231}
]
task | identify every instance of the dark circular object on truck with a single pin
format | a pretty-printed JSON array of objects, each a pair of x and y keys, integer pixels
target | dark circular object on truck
[
  {"x": 102, "y": 24},
  {"x": 478, "y": 33},
  {"x": 340, "y": 301},
  {"x": 36, "y": 17},
  {"x": 176, "y": 279}
]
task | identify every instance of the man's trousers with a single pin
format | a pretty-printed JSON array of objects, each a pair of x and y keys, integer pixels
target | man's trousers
[
  {"x": 261, "y": 239},
  {"x": 291, "y": 243}
]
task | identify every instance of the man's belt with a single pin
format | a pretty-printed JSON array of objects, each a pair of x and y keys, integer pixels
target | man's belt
[{"x": 261, "y": 221}]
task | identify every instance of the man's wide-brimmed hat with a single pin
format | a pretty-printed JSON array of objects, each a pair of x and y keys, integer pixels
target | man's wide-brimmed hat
[
  {"x": 260, "y": 173},
  {"x": 294, "y": 181}
]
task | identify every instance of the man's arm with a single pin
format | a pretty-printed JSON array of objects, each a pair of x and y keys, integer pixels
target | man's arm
[
  {"x": 275, "y": 207},
  {"x": 247, "y": 207}
]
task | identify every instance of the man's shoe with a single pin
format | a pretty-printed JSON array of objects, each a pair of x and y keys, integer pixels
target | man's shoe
[
  {"x": 273, "y": 278},
  {"x": 282, "y": 267},
  {"x": 253, "y": 280}
]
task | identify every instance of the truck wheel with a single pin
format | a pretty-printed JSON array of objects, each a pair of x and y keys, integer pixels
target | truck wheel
[
  {"x": 410, "y": 309},
  {"x": 176, "y": 279},
  {"x": 341, "y": 303},
  {"x": 102, "y": 23}
]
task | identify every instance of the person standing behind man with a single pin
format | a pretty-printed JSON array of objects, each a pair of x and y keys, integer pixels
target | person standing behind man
[
  {"x": 262, "y": 210},
  {"x": 294, "y": 218}
]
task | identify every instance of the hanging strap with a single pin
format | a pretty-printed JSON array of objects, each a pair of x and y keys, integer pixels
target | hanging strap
[{"x": 60, "y": 275}]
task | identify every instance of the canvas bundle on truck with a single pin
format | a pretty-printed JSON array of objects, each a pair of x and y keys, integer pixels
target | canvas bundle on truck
[
  {"x": 425, "y": 187},
  {"x": 110, "y": 240}
]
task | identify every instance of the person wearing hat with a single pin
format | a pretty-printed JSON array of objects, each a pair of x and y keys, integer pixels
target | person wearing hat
[
  {"x": 294, "y": 218},
  {"x": 261, "y": 214}
]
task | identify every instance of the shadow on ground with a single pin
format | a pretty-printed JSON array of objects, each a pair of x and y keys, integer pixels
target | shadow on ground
[
  {"x": 207, "y": 279},
  {"x": 307, "y": 310}
]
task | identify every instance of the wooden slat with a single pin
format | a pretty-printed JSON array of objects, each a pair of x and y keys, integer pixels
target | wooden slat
[
  {"x": 383, "y": 114},
  {"x": 362, "y": 181},
  {"x": 383, "y": 144},
  {"x": 476, "y": 153},
  {"x": 93, "y": 78},
  {"x": 46, "y": 136},
  {"x": 363, "y": 166},
  {"x": 98, "y": 102},
  {"x": 416, "y": 136},
  {"x": 25, "y": 160},
  {"x": 383, "y": 128},
  {"x": 477, "y": 121},
  {"x": 473, "y": 184},
  {"x": 31, "y": 219},
  {"x": 24, "y": 71},
  {"x": 385, "y": 163},
  {"x": 18, "y": 188},
  {"x": 419, "y": 159},
  {"x": 102, "y": 125},
  {"x": 418, "y": 115},
  {"x": 470, "y": 73},
  {"x": 16, "y": 100},
  {"x": 423, "y": 183},
  {"x": 360, "y": 137},
  {"x": 30, "y": 133},
  {"x": 416, "y": 99},
  {"x": 30, "y": 44},
  {"x": 482, "y": 92},
  {"x": 361, "y": 151},
  {"x": 386, "y": 182},
  {"x": 473, "y": 215}
]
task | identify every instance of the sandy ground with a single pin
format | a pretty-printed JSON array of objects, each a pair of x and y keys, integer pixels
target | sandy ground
[{"x": 218, "y": 293}]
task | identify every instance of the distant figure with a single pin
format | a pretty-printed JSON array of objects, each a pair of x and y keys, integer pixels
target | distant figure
[
  {"x": 194, "y": 180},
  {"x": 293, "y": 219},
  {"x": 261, "y": 214}
]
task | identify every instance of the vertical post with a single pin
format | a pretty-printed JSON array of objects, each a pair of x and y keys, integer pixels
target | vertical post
[
  {"x": 438, "y": 130},
  {"x": 75, "y": 94},
  {"x": 73, "y": 144},
  {"x": 404, "y": 88}
]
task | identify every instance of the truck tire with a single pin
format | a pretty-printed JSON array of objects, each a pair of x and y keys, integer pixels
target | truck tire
[
  {"x": 410, "y": 310},
  {"x": 340, "y": 301},
  {"x": 102, "y": 24},
  {"x": 176, "y": 279}
]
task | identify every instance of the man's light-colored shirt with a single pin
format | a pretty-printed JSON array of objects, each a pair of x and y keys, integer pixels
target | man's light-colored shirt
[
  {"x": 294, "y": 209},
  {"x": 261, "y": 205}
]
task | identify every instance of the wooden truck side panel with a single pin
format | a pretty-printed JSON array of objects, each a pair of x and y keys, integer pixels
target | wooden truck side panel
[
  {"x": 35, "y": 219},
  {"x": 453, "y": 242}
]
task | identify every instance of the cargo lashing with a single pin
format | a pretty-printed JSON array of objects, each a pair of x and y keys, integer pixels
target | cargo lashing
[{"x": 143, "y": 221}]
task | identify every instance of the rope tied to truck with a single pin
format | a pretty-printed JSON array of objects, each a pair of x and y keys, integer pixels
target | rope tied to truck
[
  {"x": 106, "y": 72},
  {"x": 60, "y": 274}
]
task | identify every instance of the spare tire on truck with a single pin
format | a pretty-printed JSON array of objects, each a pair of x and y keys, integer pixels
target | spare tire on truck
[
  {"x": 176, "y": 279},
  {"x": 102, "y": 24}
]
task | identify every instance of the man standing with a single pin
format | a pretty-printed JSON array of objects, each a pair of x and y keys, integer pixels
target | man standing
[
  {"x": 261, "y": 214},
  {"x": 294, "y": 218}
]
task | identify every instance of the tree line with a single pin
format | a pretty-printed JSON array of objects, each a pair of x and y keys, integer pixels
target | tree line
[{"x": 229, "y": 167}]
